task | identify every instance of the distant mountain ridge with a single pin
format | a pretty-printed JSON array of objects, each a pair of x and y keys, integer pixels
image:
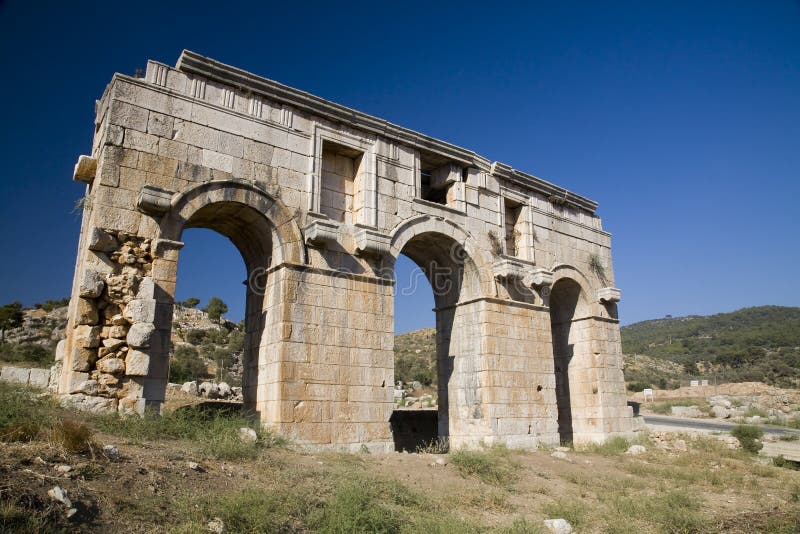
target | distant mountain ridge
[{"x": 751, "y": 344}]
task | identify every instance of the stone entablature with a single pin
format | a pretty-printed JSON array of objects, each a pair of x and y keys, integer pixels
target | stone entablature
[{"x": 320, "y": 200}]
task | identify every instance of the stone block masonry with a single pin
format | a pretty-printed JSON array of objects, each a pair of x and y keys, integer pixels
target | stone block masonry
[{"x": 320, "y": 200}]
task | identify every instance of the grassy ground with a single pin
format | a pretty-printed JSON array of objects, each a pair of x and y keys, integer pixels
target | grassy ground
[{"x": 179, "y": 472}]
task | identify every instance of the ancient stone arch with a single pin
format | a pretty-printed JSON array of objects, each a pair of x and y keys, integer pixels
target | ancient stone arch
[{"x": 320, "y": 200}]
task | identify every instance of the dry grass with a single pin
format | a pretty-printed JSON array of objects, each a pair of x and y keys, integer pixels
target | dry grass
[{"x": 707, "y": 489}]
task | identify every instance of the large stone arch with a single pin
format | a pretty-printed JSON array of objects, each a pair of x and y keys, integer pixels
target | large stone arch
[
  {"x": 459, "y": 275},
  {"x": 577, "y": 361},
  {"x": 462, "y": 245},
  {"x": 186, "y": 205},
  {"x": 265, "y": 233}
]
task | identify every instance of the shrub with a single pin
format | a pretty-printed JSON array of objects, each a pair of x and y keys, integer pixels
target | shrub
[
  {"x": 50, "y": 305},
  {"x": 748, "y": 437},
  {"x": 492, "y": 467},
  {"x": 73, "y": 436},
  {"x": 22, "y": 415},
  {"x": 638, "y": 386},
  {"x": 355, "y": 509},
  {"x": 615, "y": 445},
  {"x": 216, "y": 434},
  {"x": 435, "y": 446},
  {"x": 30, "y": 353},
  {"x": 194, "y": 336},
  {"x": 185, "y": 365},
  {"x": 191, "y": 302},
  {"x": 215, "y": 308},
  {"x": 255, "y": 510}
]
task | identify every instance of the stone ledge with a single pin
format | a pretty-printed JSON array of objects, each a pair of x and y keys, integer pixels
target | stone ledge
[
  {"x": 372, "y": 242},
  {"x": 322, "y": 233}
]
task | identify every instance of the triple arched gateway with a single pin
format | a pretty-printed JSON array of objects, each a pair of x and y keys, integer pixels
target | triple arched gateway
[{"x": 320, "y": 200}]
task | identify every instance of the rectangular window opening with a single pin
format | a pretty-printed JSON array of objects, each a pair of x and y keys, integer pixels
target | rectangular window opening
[
  {"x": 342, "y": 182},
  {"x": 436, "y": 177},
  {"x": 513, "y": 227}
]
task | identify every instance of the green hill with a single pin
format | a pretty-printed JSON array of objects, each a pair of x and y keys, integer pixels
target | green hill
[{"x": 751, "y": 344}]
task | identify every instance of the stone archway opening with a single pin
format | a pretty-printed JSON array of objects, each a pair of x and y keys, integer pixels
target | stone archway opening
[
  {"x": 207, "y": 342},
  {"x": 452, "y": 277},
  {"x": 569, "y": 353},
  {"x": 252, "y": 235}
]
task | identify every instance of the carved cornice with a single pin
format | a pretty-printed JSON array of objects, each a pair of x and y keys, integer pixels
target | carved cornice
[{"x": 196, "y": 64}]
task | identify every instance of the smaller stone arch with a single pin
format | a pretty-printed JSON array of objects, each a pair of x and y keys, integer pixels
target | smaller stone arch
[
  {"x": 589, "y": 306},
  {"x": 467, "y": 248}
]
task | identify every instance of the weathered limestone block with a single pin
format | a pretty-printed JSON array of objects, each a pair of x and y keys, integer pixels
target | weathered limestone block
[
  {"x": 17, "y": 375},
  {"x": 111, "y": 366},
  {"x": 101, "y": 241},
  {"x": 147, "y": 287},
  {"x": 140, "y": 335},
  {"x": 39, "y": 378},
  {"x": 86, "y": 313},
  {"x": 83, "y": 358},
  {"x": 132, "y": 405},
  {"x": 87, "y": 336},
  {"x": 140, "y": 310},
  {"x": 61, "y": 347},
  {"x": 92, "y": 284},
  {"x": 85, "y": 169},
  {"x": 137, "y": 363},
  {"x": 89, "y": 387},
  {"x": 88, "y": 403}
]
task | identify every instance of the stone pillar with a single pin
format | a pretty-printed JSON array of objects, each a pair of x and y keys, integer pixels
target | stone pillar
[{"x": 326, "y": 366}]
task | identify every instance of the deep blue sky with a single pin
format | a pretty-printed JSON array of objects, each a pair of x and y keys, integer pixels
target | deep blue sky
[{"x": 682, "y": 119}]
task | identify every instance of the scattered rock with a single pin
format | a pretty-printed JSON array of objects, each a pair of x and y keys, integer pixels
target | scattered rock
[
  {"x": 680, "y": 445},
  {"x": 686, "y": 411},
  {"x": 635, "y": 450},
  {"x": 59, "y": 495},
  {"x": 558, "y": 526},
  {"x": 216, "y": 526},
  {"x": 111, "y": 452},
  {"x": 719, "y": 400},
  {"x": 248, "y": 435},
  {"x": 194, "y": 466},
  {"x": 561, "y": 455},
  {"x": 209, "y": 390},
  {"x": 63, "y": 468},
  {"x": 720, "y": 412},
  {"x": 224, "y": 390},
  {"x": 190, "y": 387}
]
